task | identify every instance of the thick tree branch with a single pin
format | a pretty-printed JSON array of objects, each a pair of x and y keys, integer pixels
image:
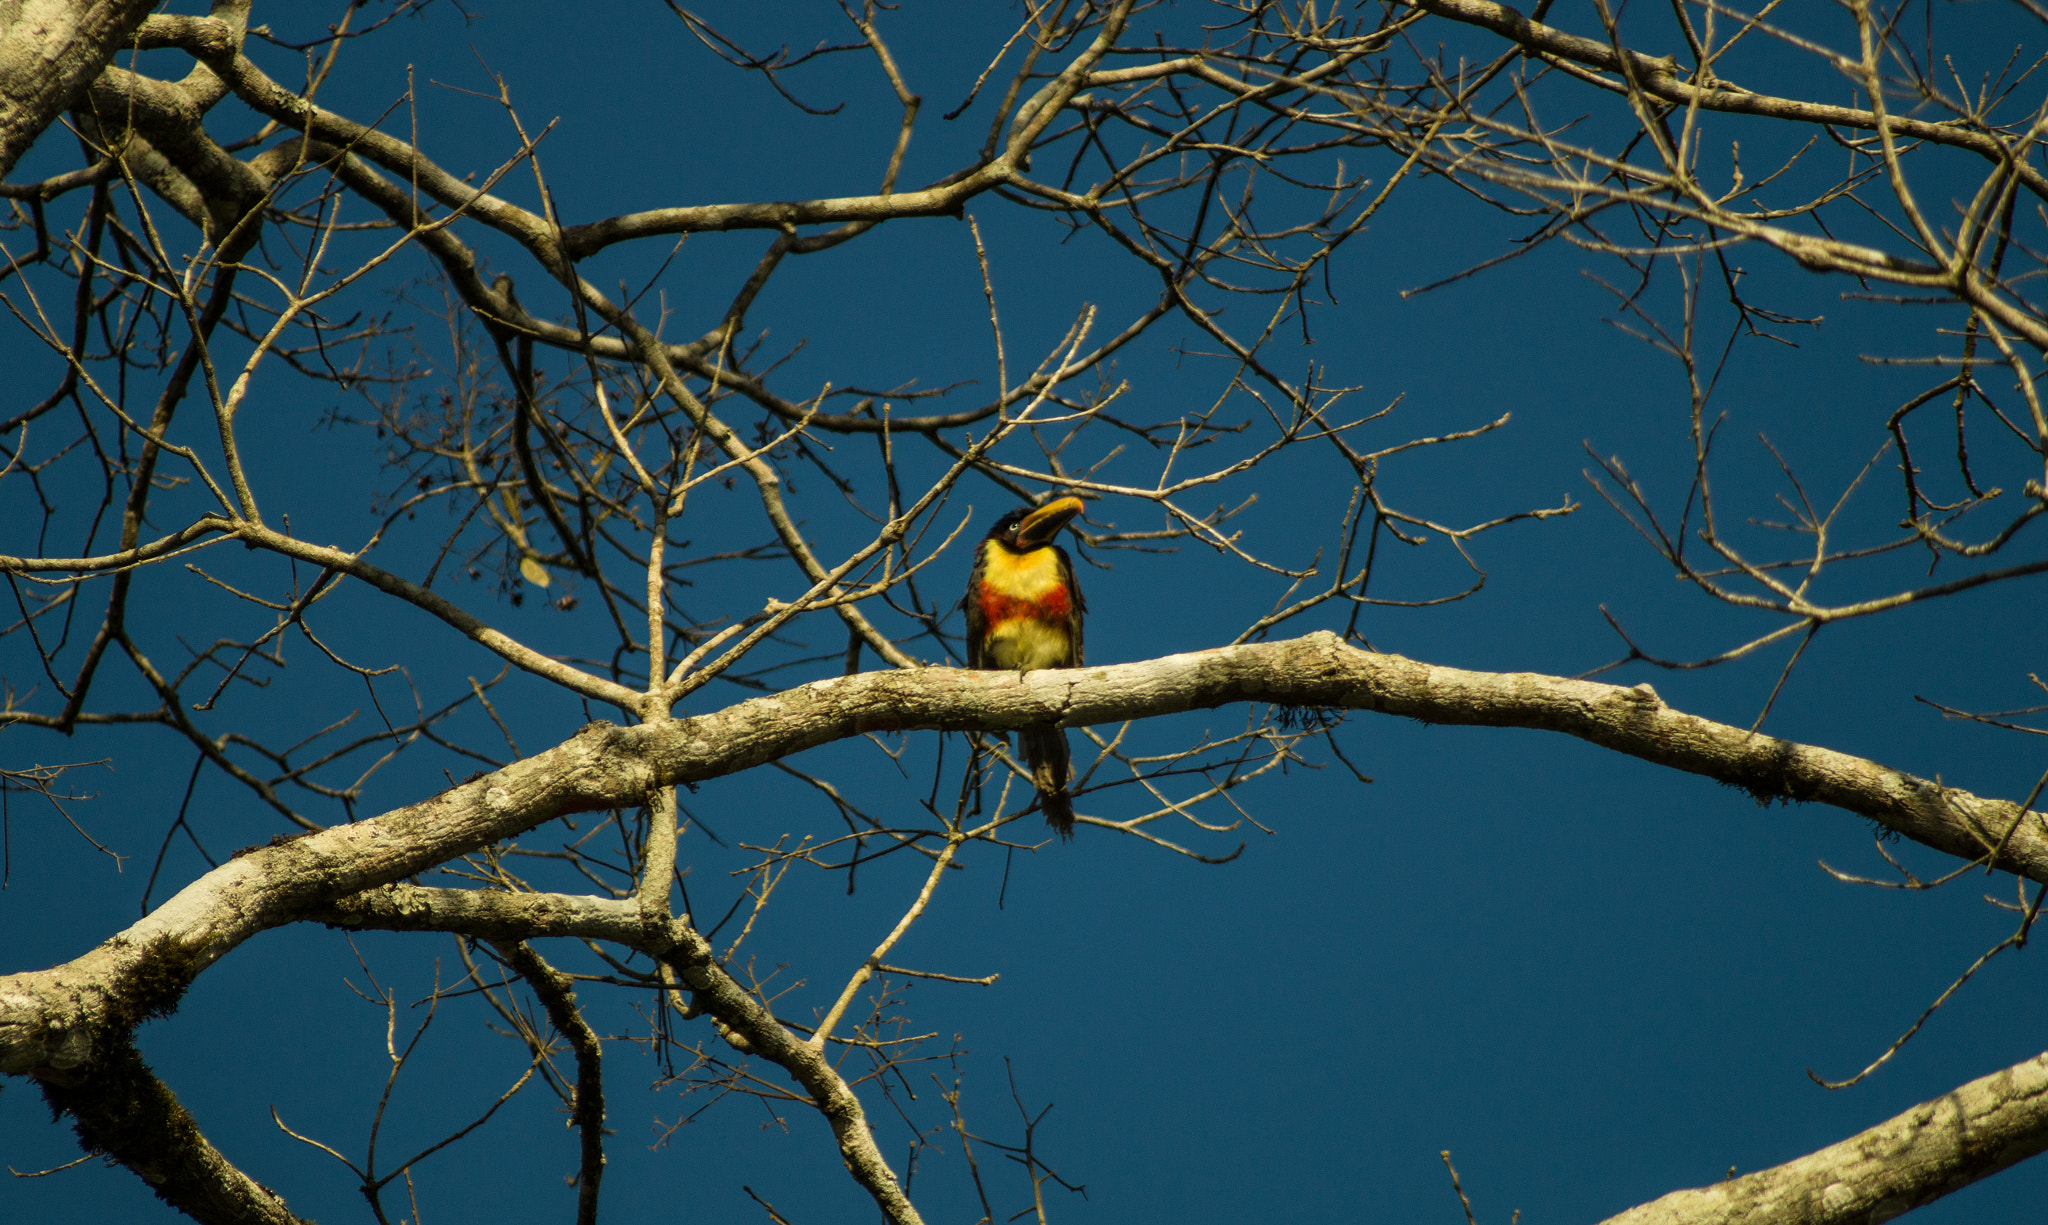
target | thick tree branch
[
  {"x": 50, "y": 1018},
  {"x": 51, "y": 51},
  {"x": 1901, "y": 1164},
  {"x": 123, "y": 1111},
  {"x": 1292, "y": 105}
]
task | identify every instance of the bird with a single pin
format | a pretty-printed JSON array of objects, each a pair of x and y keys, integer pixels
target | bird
[{"x": 1024, "y": 611}]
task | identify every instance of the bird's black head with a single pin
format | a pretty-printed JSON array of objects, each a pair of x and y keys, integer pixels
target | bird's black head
[{"x": 1028, "y": 528}]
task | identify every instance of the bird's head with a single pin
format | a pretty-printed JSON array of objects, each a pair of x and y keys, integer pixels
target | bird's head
[{"x": 1028, "y": 528}]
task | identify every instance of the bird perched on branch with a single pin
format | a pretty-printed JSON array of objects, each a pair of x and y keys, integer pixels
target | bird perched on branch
[{"x": 1023, "y": 612}]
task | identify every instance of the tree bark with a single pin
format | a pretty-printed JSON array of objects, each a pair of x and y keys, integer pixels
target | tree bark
[
  {"x": 55, "y": 1019},
  {"x": 51, "y": 51},
  {"x": 1901, "y": 1164}
]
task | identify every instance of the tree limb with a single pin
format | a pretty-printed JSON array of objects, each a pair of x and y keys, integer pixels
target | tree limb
[
  {"x": 123, "y": 1111},
  {"x": 1659, "y": 79},
  {"x": 51, "y": 51},
  {"x": 49, "y": 1018},
  {"x": 1903, "y": 1163}
]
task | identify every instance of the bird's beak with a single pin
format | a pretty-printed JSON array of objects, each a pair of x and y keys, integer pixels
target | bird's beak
[{"x": 1041, "y": 526}]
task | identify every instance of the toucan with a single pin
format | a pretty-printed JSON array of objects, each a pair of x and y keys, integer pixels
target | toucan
[{"x": 1023, "y": 612}]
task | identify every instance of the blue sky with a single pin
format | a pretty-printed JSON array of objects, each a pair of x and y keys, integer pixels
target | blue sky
[{"x": 1591, "y": 980}]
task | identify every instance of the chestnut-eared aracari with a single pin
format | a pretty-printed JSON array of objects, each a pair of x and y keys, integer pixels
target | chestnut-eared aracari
[{"x": 1023, "y": 612}]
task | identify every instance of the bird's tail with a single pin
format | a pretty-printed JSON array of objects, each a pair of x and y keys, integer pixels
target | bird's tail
[{"x": 1045, "y": 751}]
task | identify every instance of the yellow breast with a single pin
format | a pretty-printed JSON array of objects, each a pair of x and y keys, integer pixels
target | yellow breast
[
  {"x": 1020, "y": 576},
  {"x": 1025, "y": 606}
]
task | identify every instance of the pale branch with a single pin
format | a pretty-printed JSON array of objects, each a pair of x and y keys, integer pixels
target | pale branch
[
  {"x": 503, "y": 916},
  {"x": 874, "y": 960},
  {"x": 943, "y": 199},
  {"x": 658, "y": 856},
  {"x": 947, "y": 196},
  {"x": 510, "y": 649},
  {"x": 721, "y": 995},
  {"x": 1659, "y": 77},
  {"x": 1903, "y": 1163},
  {"x": 127, "y": 559},
  {"x": 498, "y": 916},
  {"x": 508, "y": 919},
  {"x": 496, "y": 304},
  {"x": 767, "y": 482},
  {"x": 51, "y": 51},
  {"x": 52, "y": 1018},
  {"x": 512, "y": 916},
  {"x": 70, "y": 1026}
]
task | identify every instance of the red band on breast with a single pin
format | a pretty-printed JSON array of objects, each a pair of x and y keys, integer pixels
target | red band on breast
[{"x": 999, "y": 607}]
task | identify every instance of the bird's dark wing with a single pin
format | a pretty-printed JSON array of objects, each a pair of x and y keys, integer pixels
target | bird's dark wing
[
  {"x": 1077, "y": 605},
  {"x": 977, "y": 621}
]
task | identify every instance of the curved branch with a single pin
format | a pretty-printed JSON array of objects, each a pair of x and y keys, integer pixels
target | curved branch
[
  {"x": 1659, "y": 79},
  {"x": 126, "y": 1113},
  {"x": 510, "y": 649},
  {"x": 51, "y": 1019},
  {"x": 1901, "y": 1164},
  {"x": 519, "y": 916},
  {"x": 126, "y": 559},
  {"x": 50, "y": 54}
]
